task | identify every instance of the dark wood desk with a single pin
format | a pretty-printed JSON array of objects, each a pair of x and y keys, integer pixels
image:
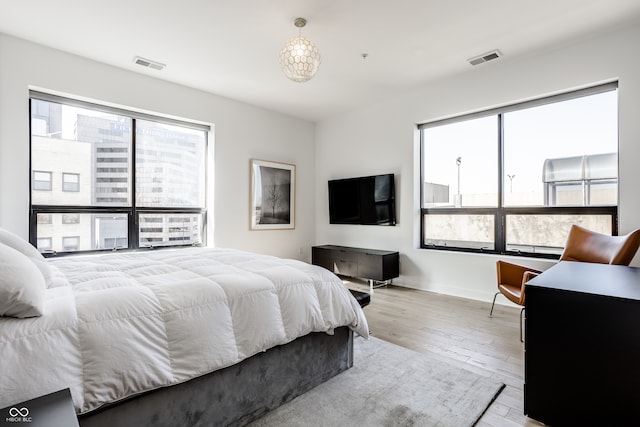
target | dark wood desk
[{"x": 582, "y": 345}]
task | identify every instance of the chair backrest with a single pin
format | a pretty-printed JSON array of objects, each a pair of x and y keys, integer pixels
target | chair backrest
[{"x": 588, "y": 246}]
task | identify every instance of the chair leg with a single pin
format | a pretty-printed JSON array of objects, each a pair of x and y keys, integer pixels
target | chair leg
[
  {"x": 494, "y": 303},
  {"x": 521, "y": 313}
]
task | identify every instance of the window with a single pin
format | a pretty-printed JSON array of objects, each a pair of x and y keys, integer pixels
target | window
[
  {"x": 512, "y": 180},
  {"x": 136, "y": 169},
  {"x": 44, "y": 244},
  {"x": 41, "y": 181},
  {"x": 171, "y": 228},
  {"x": 70, "y": 243},
  {"x": 70, "y": 182},
  {"x": 44, "y": 219},
  {"x": 115, "y": 242},
  {"x": 71, "y": 218}
]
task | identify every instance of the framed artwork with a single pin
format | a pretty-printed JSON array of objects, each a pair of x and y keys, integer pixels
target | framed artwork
[{"x": 273, "y": 190}]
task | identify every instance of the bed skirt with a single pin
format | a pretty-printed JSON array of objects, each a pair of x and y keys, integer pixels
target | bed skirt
[{"x": 239, "y": 394}]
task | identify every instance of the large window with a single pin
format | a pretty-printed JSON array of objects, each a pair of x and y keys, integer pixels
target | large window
[
  {"x": 513, "y": 180},
  {"x": 100, "y": 175}
]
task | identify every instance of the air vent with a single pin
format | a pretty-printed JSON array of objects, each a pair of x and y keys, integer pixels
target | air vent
[
  {"x": 148, "y": 63},
  {"x": 485, "y": 57}
]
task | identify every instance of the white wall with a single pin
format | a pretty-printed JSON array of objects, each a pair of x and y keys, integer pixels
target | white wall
[
  {"x": 241, "y": 132},
  {"x": 383, "y": 138}
]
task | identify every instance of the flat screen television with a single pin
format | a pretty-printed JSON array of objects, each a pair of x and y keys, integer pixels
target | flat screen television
[{"x": 367, "y": 200}]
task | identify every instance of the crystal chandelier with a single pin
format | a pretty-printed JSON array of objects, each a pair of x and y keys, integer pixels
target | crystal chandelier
[{"x": 299, "y": 58}]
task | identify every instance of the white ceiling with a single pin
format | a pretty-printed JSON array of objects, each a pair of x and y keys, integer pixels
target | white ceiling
[{"x": 231, "y": 47}]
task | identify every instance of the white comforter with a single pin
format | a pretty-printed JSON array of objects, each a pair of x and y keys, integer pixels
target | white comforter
[{"x": 119, "y": 324}]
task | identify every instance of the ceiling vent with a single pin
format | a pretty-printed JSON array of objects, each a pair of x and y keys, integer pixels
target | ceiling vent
[
  {"x": 485, "y": 57},
  {"x": 148, "y": 63}
]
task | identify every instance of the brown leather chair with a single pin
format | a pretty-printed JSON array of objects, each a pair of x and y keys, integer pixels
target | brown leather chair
[
  {"x": 588, "y": 246},
  {"x": 582, "y": 245}
]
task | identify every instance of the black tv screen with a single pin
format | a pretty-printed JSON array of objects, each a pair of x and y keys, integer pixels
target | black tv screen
[{"x": 368, "y": 200}]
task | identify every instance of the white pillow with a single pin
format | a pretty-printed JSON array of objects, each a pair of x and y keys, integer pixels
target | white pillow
[
  {"x": 22, "y": 286},
  {"x": 19, "y": 244}
]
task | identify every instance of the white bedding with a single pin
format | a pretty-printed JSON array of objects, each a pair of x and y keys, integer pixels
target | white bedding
[{"x": 119, "y": 324}]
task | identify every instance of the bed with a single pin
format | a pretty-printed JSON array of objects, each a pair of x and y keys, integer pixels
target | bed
[{"x": 206, "y": 336}]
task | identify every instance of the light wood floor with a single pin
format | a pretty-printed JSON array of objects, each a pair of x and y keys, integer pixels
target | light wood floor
[{"x": 459, "y": 331}]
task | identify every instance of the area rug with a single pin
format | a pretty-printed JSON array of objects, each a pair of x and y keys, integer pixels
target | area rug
[{"x": 390, "y": 386}]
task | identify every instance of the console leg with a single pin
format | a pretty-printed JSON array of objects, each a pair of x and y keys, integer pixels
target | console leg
[{"x": 374, "y": 284}]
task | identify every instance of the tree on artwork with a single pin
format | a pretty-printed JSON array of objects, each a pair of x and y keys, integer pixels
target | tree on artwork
[{"x": 273, "y": 196}]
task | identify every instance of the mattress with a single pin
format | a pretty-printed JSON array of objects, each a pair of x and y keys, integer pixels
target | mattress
[{"x": 121, "y": 324}]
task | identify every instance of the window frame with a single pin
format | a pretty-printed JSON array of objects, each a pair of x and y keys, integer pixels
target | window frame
[
  {"x": 65, "y": 183},
  {"x": 133, "y": 211},
  {"x": 34, "y": 180},
  {"x": 65, "y": 219},
  {"x": 49, "y": 239},
  {"x": 48, "y": 221},
  {"x": 501, "y": 212},
  {"x": 77, "y": 240}
]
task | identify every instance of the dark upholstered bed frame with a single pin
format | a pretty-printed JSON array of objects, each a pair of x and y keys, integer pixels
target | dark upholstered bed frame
[{"x": 239, "y": 394}]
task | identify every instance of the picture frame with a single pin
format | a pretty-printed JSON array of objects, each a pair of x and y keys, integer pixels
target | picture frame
[{"x": 273, "y": 190}]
